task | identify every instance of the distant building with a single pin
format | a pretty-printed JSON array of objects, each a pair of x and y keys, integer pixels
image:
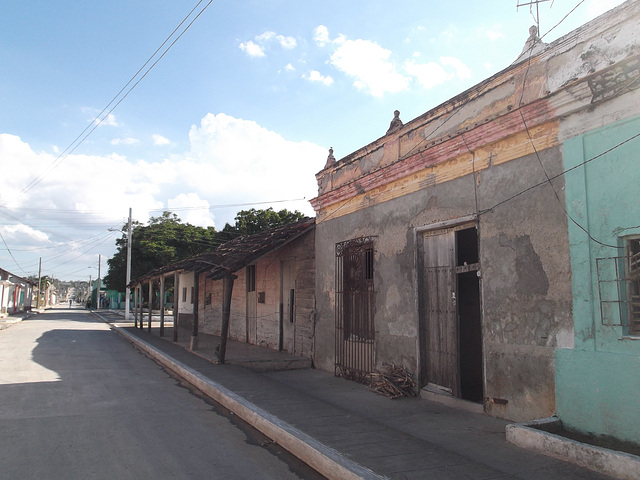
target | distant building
[{"x": 16, "y": 293}]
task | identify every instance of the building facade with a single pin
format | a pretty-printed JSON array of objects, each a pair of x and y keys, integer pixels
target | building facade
[{"x": 444, "y": 245}]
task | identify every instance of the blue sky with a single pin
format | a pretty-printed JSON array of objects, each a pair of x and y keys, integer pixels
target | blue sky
[{"x": 239, "y": 113}]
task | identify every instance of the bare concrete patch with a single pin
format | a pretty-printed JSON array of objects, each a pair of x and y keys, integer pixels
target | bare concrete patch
[{"x": 547, "y": 436}]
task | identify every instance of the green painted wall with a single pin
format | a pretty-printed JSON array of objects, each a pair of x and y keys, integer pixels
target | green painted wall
[{"x": 598, "y": 381}]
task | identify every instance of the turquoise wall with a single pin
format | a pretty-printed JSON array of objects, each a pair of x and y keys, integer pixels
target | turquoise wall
[{"x": 598, "y": 381}]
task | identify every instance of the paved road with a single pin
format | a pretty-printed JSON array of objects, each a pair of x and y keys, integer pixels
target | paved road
[{"x": 77, "y": 401}]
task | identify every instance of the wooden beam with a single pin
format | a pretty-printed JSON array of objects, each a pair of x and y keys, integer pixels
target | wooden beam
[{"x": 226, "y": 313}]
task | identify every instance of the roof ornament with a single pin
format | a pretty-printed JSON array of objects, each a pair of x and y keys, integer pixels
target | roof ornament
[
  {"x": 533, "y": 45},
  {"x": 396, "y": 123},
  {"x": 330, "y": 159}
]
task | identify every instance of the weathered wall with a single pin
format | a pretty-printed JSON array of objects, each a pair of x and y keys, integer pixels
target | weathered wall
[
  {"x": 525, "y": 277},
  {"x": 494, "y": 151},
  {"x": 268, "y": 313},
  {"x": 210, "y": 315}
]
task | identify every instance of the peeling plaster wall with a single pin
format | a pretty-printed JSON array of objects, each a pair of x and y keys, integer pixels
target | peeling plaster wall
[
  {"x": 525, "y": 278},
  {"x": 495, "y": 151},
  {"x": 268, "y": 313}
]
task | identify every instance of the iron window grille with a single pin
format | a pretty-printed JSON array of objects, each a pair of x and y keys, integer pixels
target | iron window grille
[
  {"x": 619, "y": 288},
  {"x": 355, "y": 295}
]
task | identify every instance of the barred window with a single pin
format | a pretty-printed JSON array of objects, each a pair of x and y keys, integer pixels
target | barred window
[
  {"x": 633, "y": 284},
  {"x": 619, "y": 288},
  {"x": 354, "y": 286}
]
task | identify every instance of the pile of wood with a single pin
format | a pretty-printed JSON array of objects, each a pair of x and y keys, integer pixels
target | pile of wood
[{"x": 394, "y": 382}]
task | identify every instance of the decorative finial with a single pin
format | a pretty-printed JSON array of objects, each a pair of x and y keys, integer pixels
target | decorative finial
[
  {"x": 396, "y": 123},
  {"x": 330, "y": 159}
]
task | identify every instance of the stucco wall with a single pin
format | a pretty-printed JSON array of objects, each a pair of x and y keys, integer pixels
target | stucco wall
[
  {"x": 597, "y": 381},
  {"x": 525, "y": 277}
]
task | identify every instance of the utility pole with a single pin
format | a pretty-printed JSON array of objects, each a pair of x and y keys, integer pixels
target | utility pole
[
  {"x": 98, "y": 291},
  {"x": 127, "y": 289}
]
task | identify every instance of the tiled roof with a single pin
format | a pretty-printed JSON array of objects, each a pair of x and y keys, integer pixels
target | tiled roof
[{"x": 237, "y": 253}]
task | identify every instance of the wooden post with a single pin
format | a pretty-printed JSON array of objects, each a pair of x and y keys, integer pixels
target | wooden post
[
  {"x": 226, "y": 313},
  {"x": 135, "y": 306},
  {"x": 193, "y": 344},
  {"x": 176, "y": 304},
  {"x": 140, "y": 306},
  {"x": 162, "y": 305},
  {"x": 150, "y": 302}
]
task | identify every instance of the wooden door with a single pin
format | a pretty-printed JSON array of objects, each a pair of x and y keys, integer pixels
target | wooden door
[
  {"x": 439, "y": 357},
  {"x": 288, "y": 304}
]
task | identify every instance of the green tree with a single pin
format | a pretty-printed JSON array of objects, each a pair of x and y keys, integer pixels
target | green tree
[{"x": 253, "y": 221}]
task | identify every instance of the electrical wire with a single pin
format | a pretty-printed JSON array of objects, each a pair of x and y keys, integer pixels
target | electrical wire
[{"x": 118, "y": 98}]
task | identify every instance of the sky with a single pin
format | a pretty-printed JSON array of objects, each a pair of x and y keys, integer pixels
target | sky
[{"x": 106, "y": 106}]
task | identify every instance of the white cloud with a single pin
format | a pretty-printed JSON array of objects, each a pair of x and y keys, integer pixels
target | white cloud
[
  {"x": 108, "y": 121},
  {"x": 258, "y": 48},
  {"x": 370, "y": 66},
  {"x": 321, "y": 35},
  {"x": 428, "y": 74},
  {"x": 125, "y": 141},
  {"x": 159, "y": 140},
  {"x": 494, "y": 35},
  {"x": 192, "y": 209},
  {"x": 23, "y": 234},
  {"x": 252, "y": 49},
  {"x": 265, "y": 37},
  {"x": 289, "y": 68},
  {"x": 315, "y": 76},
  {"x": 287, "y": 42},
  {"x": 431, "y": 74},
  {"x": 230, "y": 161},
  {"x": 462, "y": 71}
]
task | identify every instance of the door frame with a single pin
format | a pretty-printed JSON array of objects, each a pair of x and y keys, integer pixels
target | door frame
[{"x": 471, "y": 221}]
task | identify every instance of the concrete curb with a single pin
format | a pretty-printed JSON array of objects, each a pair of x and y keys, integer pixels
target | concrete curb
[
  {"x": 325, "y": 460},
  {"x": 608, "y": 462}
]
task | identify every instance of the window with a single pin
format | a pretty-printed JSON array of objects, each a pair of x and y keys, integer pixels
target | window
[
  {"x": 184, "y": 294},
  {"x": 355, "y": 298},
  {"x": 354, "y": 284},
  {"x": 251, "y": 278},
  {"x": 193, "y": 294},
  {"x": 619, "y": 288},
  {"x": 207, "y": 300},
  {"x": 633, "y": 284}
]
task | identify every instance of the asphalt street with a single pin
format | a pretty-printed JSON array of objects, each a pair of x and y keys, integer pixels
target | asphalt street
[{"x": 78, "y": 401}]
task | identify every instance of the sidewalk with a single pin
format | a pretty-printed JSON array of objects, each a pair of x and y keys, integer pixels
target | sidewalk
[
  {"x": 6, "y": 320},
  {"x": 344, "y": 430}
]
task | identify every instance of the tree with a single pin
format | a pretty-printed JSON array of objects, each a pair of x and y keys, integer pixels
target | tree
[
  {"x": 253, "y": 221},
  {"x": 165, "y": 239}
]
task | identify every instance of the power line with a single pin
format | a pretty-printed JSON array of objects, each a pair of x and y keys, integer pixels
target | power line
[{"x": 118, "y": 98}]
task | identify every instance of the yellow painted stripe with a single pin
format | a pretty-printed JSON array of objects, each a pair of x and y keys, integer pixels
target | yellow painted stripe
[{"x": 510, "y": 148}]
